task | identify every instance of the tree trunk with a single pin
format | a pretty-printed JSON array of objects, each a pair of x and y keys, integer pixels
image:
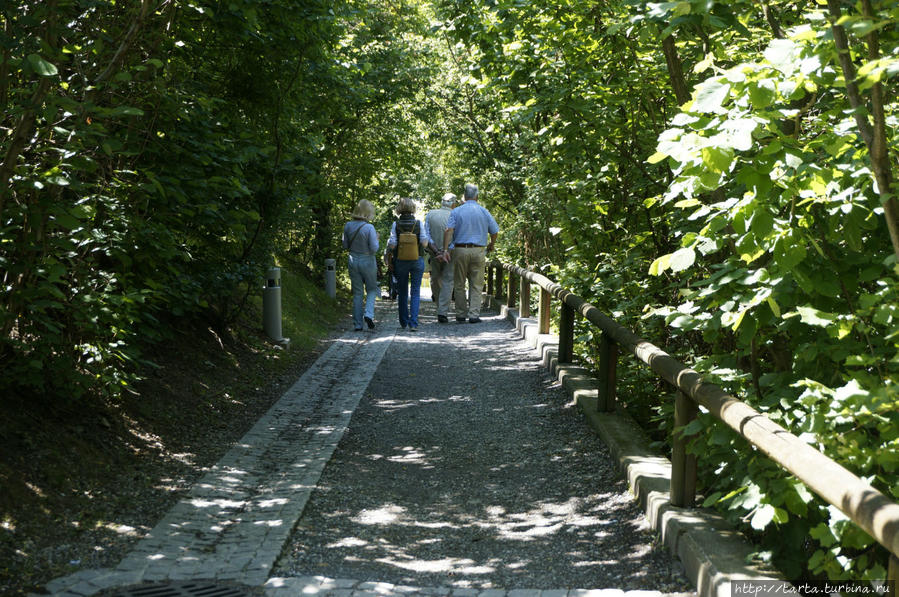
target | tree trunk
[
  {"x": 874, "y": 136},
  {"x": 675, "y": 71}
]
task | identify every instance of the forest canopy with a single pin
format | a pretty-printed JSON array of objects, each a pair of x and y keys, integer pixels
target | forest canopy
[{"x": 718, "y": 176}]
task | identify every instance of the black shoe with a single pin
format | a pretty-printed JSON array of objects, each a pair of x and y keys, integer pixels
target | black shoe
[
  {"x": 460, "y": 320},
  {"x": 442, "y": 318},
  {"x": 474, "y": 320},
  {"x": 369, "y": 323}
]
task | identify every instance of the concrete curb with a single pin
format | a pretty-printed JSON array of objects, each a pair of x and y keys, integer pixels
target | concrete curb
[{"x": 713, "y": 554}]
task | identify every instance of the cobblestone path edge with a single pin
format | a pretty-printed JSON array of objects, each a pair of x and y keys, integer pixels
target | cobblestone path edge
[{"x": 234, "y": 522}]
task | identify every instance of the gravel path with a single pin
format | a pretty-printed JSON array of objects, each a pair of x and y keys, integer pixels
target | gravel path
[{"x": 465, "y": 466}]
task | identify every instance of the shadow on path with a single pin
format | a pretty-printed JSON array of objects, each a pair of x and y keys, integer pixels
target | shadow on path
[{"x": 465, "y": 466}]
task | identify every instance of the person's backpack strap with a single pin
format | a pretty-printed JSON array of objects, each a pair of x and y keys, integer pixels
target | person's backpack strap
[{"x": 396, "y": 247}]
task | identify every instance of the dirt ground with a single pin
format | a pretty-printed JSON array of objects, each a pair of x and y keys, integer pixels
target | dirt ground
[{"x": 80, "y": 483}]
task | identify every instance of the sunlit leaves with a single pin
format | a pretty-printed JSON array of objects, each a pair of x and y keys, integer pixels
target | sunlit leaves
[
  {"x": 710, "y": 95},
  {"x": 678, "y": 261},
  {"x": 766, "y": 159}
]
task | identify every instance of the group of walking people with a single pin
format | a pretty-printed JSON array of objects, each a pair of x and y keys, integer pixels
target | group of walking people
[{"x": 456, "y": 236}]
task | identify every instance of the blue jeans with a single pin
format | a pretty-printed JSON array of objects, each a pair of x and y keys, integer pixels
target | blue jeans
[
  {"x": 406, "y": 271},
  {"x": 363, "y": 271}
]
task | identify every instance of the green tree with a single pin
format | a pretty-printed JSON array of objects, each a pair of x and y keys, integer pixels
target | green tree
[{"x": 158, "y": 154}]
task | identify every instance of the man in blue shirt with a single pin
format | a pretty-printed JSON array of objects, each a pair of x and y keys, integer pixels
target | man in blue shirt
[{"x": 467, "y": 230}]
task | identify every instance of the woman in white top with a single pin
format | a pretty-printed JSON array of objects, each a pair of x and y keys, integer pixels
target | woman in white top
[{"x": 361, "y": 239}]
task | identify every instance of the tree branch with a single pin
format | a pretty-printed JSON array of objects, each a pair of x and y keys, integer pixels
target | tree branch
[
  {"x": 4, "y": 66},
  {"x": 675, "y": 71},
  {"x": 119, "y": 55},
  {"x": 873, "y": 136},
  {"x": 772, "y": 21}
]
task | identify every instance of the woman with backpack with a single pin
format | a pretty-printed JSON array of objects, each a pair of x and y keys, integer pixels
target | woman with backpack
[
  {"x": 361, "y": 239},
  {"x": 408, "y": 241}
]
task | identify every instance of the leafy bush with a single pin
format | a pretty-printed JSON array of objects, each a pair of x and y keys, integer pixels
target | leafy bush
[{"x": 156, "y": 156}]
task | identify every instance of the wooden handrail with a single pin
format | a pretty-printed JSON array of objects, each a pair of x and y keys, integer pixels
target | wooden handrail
[{"x": 866, "y": 506}]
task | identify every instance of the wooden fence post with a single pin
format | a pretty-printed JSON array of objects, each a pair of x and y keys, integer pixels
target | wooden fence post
[
  {"x": 566, "y": 334},
  {"x": 510, "y": 291},
  {"x": 608, "y": 362},
  {"x": 498, "y": 285},
  {"x": 683, "y": 465},
  {"x": 490, "y": 279},
  {"x": 524, "y": 304},
  {"x": 543, "y": 316}
]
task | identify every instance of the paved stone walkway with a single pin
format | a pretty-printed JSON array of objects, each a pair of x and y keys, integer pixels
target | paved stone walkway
[{"x": 232, "y": 526}]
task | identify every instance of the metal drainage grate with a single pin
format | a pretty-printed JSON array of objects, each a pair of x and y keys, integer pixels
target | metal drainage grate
[{"x": 182, "y": 589}]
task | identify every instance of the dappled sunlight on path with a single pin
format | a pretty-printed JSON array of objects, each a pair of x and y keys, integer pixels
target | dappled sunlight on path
[
  {"x": 465, "y": 466},
  {"x": 423, "y": 463}
]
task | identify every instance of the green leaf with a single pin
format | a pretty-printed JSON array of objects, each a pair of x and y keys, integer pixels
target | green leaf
[
  {"x": 127, "y": 111},
  {"x": 788, "y": 252},
  {"x": 762, "y": 223},
  {"x": 656, "y": 157},
  {"x": 762, "y": 517},
  {"x": 710, "y": 95},
  {"x": 811, "y": 316},
  {"x": 737, "y": 134},
  {"x": 795, "y": 503},
  {"x": 712, "y": 499},
  {"x": 781, "y": 516},
  {"x": 67, "y": 221},
  {"x": 763, "y": 93},
  {"x": 682, "y": 259},
  {"x": 660, "y": 265},
  {"x": 41, "y": 66},
  {"x": 718, "y": 159},
  {"x": 784, "y": 55},
  {"x": 855, "y": 538},
  {"x": 692, "y": 428}
]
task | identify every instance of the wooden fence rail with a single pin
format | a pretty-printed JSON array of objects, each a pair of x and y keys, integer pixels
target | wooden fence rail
[{"x": 867, "y": 507}]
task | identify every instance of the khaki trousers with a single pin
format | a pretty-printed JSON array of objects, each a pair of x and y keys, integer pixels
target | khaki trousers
[{"x": 468, "y": 266}]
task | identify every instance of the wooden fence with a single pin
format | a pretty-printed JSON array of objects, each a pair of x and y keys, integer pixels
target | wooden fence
[{"x": 867, "y": 507}]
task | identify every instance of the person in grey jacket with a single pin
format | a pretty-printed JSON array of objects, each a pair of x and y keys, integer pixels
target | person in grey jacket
[
  {"x": 361, "y": 239},
  {"x": 441, "y": 267}
]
